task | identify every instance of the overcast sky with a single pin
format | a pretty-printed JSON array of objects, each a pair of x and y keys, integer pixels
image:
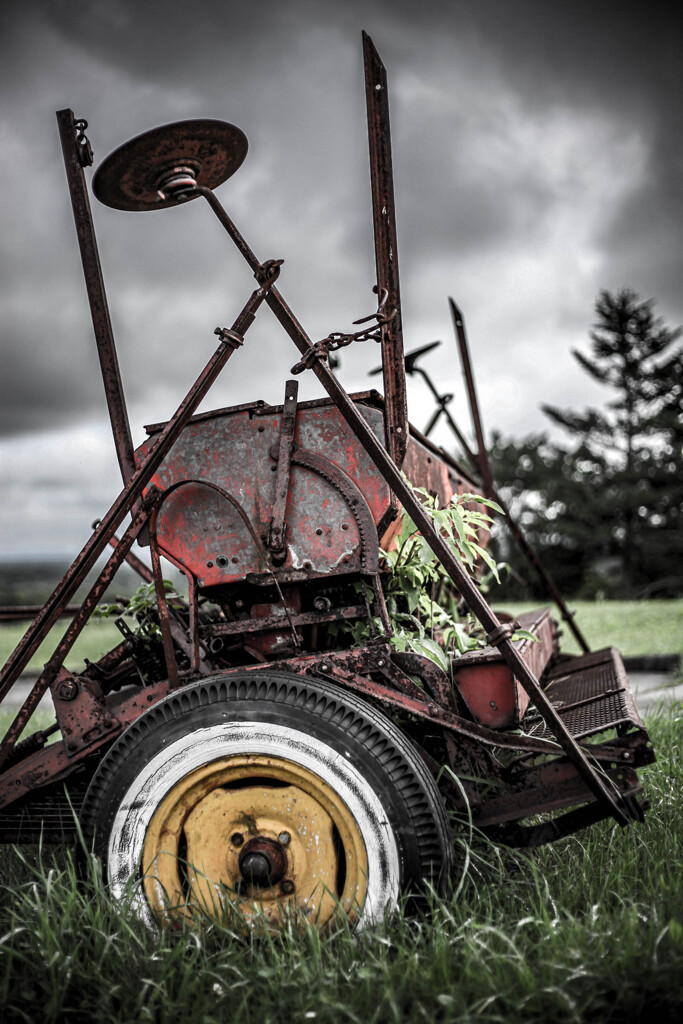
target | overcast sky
[{"x": 537, "y": 160}]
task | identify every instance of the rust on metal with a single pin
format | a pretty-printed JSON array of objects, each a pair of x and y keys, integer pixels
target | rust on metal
[
  {"x": 176, "y": 157},
  {"x": 131, "y": 493},
  {"x": 386, "y": 247},
  {"x": 74, "y": 148},
  {"x": 277, "y": 517},
  {"x": 283, "y": 455}
]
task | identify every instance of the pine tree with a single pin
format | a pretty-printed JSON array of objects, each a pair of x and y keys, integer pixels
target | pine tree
[{"x": 617, "y": 493}]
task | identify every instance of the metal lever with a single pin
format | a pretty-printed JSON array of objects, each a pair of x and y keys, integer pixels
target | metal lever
[{"x": 276, "y": 530}]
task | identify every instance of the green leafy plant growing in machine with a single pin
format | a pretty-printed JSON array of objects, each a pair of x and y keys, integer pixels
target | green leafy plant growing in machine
[
  {"x": 426, "y": 614},
  {"x": 143, "y": 608}
]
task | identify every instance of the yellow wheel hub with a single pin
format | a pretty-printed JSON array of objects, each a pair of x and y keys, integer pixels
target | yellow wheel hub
[{"x": 256, "y": 831}]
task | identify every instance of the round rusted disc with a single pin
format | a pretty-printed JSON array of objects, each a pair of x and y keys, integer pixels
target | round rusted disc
[{"x": 128, "y": 179}]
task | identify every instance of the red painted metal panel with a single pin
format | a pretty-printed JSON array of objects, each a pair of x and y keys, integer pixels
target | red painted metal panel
[
  {"x": 203, "y": 531},
  {"x": 486, "y": 684}
]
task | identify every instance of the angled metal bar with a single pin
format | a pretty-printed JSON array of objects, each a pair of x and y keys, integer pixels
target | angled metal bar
[
  {"x": 276, "y": 531},
  {"x": 442, "y": 409},
  {"x": 133, "y": 561},
  {"x": 482, "y": 455},
  {"x": 77, "y": 154},
  {"x": 484, "y": 465},
  {"x": 386, "y": 249},
  {"x": 84, "y": 561},
  {"x": 53, "y": 666}
]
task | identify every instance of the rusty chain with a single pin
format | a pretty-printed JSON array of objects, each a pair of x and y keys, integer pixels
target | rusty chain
[{"x": 337, "y": 339}]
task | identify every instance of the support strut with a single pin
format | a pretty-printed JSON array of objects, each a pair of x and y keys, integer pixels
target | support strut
[
  {"x": 484, "y": 466},
  {"x": 132, "y": 492},
  {"x": 77, "y": 154}
]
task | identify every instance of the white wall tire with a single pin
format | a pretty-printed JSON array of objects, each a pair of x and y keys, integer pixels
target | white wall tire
[{"x": 295, "y": 757}]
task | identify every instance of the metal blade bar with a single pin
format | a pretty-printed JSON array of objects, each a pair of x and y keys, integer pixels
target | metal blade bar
[
  {"x": 386, "y": 250},
  {"x": 276, "y": 532},
  {"x": 482, "y": 455},
  {"x": 74, "y": 155},
  {"x": 484, "y": 465}
]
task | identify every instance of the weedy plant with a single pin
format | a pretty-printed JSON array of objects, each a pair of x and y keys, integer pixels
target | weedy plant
[
  {"x": 427, "y": 615},
  {"x": 142, "y": 609}
]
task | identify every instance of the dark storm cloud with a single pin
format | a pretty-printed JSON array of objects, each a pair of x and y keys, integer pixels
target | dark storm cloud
[{"x": 537, "y": 159}]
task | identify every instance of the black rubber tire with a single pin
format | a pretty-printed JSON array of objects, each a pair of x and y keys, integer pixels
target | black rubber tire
[{"x": 325, "y": 716}]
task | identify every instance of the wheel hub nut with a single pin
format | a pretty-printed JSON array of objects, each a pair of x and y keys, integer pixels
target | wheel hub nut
[{"x": 262, "y": 862}]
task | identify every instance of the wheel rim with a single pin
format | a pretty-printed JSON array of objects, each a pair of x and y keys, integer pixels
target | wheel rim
[
  {"x": 259, "y": 832},
  {"x": 147, "y": 826}
]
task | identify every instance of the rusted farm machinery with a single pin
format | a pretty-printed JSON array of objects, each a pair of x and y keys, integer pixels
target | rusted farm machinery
[{"x": 249, "y": 749}]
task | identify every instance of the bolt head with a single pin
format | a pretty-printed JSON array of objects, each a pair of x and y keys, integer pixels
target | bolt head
[
  {"x": 67, "y": 690},
  {"x": 284, "y": 838},
  {"x": 287, "y": 887},
  {"x": 237, "y": 839}
]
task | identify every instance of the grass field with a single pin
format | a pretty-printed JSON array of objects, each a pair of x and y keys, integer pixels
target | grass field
[
  {"x": 589, "y": 929},
  {"x": 635, "y": 627}
]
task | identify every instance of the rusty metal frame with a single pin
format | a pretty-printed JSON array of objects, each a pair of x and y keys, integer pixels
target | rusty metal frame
[
  {"x": 498, "y": 635},
  {"x": 350, "y": 669},
  {"x": 230, "y": 340}
]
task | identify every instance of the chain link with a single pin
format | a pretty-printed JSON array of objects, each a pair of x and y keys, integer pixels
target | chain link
[{"x": 337, "y": 340}]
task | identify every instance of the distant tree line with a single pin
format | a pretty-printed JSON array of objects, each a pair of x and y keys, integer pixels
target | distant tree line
[{"x": 605, "y": 509}]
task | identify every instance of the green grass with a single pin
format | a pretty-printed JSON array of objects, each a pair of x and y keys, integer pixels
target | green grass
[
  {"x": 96, "y": 639},
  {"x": 635, "y": 627},
  {"x": 590, "y": 929}
]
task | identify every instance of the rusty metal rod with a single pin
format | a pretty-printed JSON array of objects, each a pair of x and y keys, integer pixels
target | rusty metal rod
[
  {"x": 133, "y": 561},
  {"x": 18, "y": 612},
  {"x": 442, "y": 409},
  {"x": 386, "y": 248},
  {"x": 482, "y": 454},
  {"x": 74, "y": 630},
  {"x": 484, "y": 466},
  {"x": 131, "y": 493},
  {"x": 74, "y": 153},
  {"x": 392, "y": 474}
]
